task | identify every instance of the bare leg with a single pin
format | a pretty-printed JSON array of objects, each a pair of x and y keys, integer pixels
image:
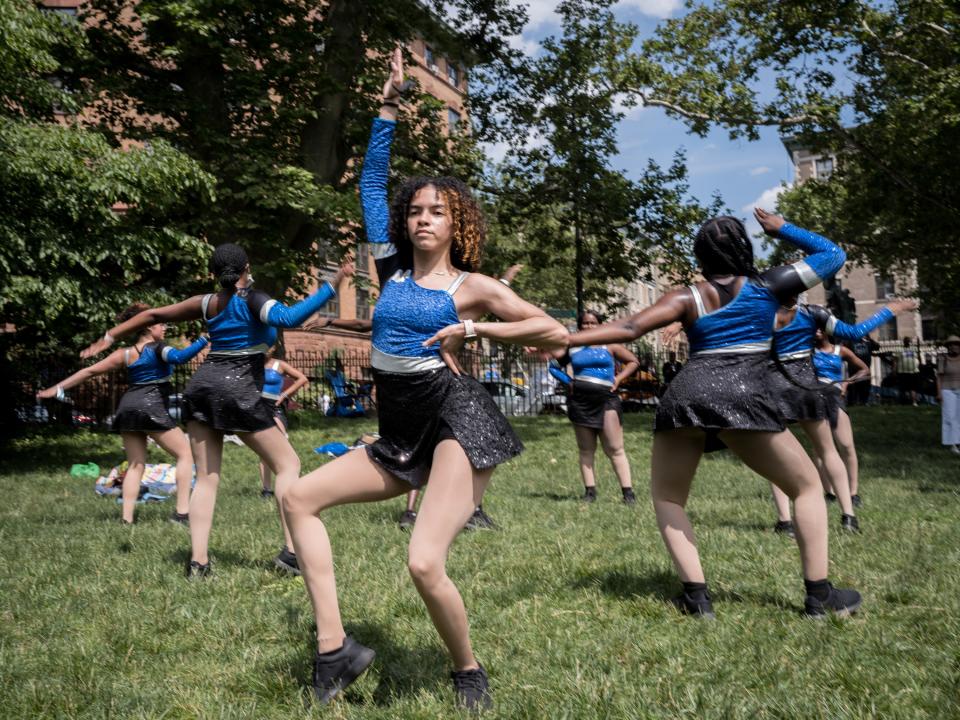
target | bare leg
[
  {"x": 348, "y": 479},
  {"x": 676, "y": 454},
  {"x": 780, "y": 458},
  {"x": 266, "y": 475},
  {"x": 848, "y": 451},
  {"x": 612, "y": 439},
  {"x": 782, "y": 503},
  {"x": 412, "y": 500},
  {"x": 830, "y": 464},
  {"x": 824, "y": 475},
  {"x": 277, "y": 452},
  {"x": 135, "y": 447},
  {"x": 207, "y": 445},
  {"x": 176, "y": 444},
  {"x": 587, "y": 445},
  {"x": 454, "y": 490}
]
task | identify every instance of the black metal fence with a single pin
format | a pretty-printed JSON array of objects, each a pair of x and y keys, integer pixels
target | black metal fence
[{"x": 520, "y": 384}]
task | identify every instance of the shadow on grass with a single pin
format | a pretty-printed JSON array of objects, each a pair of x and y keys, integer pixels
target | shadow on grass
[
  {"x": 556, "y": 497},
  {"x": 223, "y": 558}
]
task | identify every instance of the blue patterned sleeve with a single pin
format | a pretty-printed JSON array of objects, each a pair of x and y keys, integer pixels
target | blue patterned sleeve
[
  {"x": 373, "y": 190},
  {"x": 277, "y": 314},
  {"x": 824, "y": 258},
  {"x": 178, "y": 357},
  {"x": 827, "y": 322},
  {"x": 557, "y": 371}
]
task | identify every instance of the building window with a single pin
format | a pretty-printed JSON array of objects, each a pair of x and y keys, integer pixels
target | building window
[
  {"x": 362, "y": 259},
  {"x": 887, "y": 331},
  {"x": 363, "y": 304},
  {"x": 429, "y": 58},
  {"x": 332, "y": 308},
  {"x": 886, "y": 286},
  {"x": 453, "y": 74},
  {"x": 453, "y": 119},
  {"x": 824, "y": 168}
]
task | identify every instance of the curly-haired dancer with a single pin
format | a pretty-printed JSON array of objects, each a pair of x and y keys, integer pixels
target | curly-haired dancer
[
  {"x": 144, "y": 409},
  {"x": 223, "y": 396},
  {"x": 438, "y": 428},
  {"x": 722, "y": 396}
]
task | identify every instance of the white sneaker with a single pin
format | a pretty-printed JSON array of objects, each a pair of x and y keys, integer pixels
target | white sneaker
[{"x": 955, "y": 449}]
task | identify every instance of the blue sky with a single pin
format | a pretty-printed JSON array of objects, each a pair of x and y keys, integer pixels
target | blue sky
[{"x": 743, "y": 172}]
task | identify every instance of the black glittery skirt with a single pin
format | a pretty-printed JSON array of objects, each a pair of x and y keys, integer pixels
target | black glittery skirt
[
  {"x": 799, "y": 395},
  {"x": 224, "y": 393},
  {"x": 721, "y": 392},
  {"x": 144, "y": 408},
  {"x": 280, "y": 412},
  {"x": 418, "y": 410},
  {"x": 588, "y": 402},
  {"x": 835, "y": 403}
]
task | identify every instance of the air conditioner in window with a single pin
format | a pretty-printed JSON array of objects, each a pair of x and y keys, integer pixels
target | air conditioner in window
[{"x": 435, "y": 69}]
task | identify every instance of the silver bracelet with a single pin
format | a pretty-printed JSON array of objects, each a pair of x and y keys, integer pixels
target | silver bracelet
[
  {"x": 108, "y": 337},
  {"x": 469, "y": 330},
  {"x": 505, "y": 281},
  {"x": 61, "y": 395}
]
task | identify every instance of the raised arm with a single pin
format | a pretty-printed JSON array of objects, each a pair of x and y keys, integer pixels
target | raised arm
[
  {"x": 823, "y": 258},
  {"x": 114, "y": 361},
  {"x": 178, "y": 357},
  {"x": 672, "y": 307},
  {"x": 275, "y": 313},
  {"x": 187, "y": 310}
]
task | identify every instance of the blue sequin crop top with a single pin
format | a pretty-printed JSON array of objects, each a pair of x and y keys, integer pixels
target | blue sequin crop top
[
  {"x": 829, "y": 365},
  {"x": 272, "y": 381},
  {"x": 796, "y": 339},
  {"x": 744, "y": 325},
  {"x": 593, "y": 363},
  {"x": 153, "y": 365}
]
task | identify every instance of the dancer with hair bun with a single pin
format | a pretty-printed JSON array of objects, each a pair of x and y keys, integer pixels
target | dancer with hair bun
[
  {"x": 802, "y": 399},
  {"x": 223, "y": 396},
  {"x": 594, "y": 406},
  {"x": 722, "y": 396},
  {"x": 439, "y": 428},
  {"x": 144, "y": 409}
]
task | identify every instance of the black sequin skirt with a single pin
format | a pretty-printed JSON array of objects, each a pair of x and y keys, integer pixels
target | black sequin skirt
[
  {"x": 280, "y": 412},
  {"x": 721, "y": 392},
  {"x": 835, "y": 403},
  {"x": 144, "y": 408},
  {"x": 588, "y": 402},
  {"x": 417, "y": 410},
  {"x": 799, "y": 395},
  {"x": 224, "y": 393}
]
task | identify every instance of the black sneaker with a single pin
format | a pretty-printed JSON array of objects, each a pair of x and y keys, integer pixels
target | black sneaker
[
  {"x": 855, "y": 499},
  {"x": 472, "y": 688},
  {"x": 849, "y": 523},
  {"x": 628, "y": 497},
  {"x": 840, "y": 602},
  {"x": 408, "y": 519},
  {"x": 266, "y": 494},
  {"x": 700, "y": 608},
  {"x": 589, "y": 495},
  {"x": 180, "y": 518},
  {"x": 480, "y": 521},
  {"x": 196, "y": 570},
  {"x": 287, "y": 560},
  {"x": 333, "y": 672},
  {"x": 785, "y": 527},
  {"x": 829, "y": 497}
]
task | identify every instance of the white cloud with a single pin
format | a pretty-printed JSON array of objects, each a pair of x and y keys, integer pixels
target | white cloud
[
  {"x": 527, "y": 46},
  {"x": 544, "y": 12},
  {"x": 762, "y": 170},
  {"x": 654, "y": 8},
  {"x": 766, "y": 201}
]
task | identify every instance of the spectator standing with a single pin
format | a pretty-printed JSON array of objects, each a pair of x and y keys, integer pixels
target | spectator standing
[
  {"x": 948, "y": 393},
  {"x": 907, "y": 367},
  {"x": 670, "y": 369},
  {"x": 858, "y": 393}
]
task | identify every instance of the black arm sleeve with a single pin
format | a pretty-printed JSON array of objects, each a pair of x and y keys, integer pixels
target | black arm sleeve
[{"x": 784, "y": 281}]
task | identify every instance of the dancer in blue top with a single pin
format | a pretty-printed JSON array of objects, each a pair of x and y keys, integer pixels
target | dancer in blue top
[
  {"x": 223, "y": 396},
  {"x": 594, "y": 406},
  {"x": 274, "y": 372},
  {"x": 144, "y": 409},
  {"x": 801, "y": 399},
  {"x": 722, "y": 396},
  {"x": 438, "y": 426}
]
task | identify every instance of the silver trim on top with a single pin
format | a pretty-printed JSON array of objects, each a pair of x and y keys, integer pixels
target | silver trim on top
[
  {"x": 807, "y": 274},
  {"x": 252, "y": 350},
  {"x": 595, "y": 381},
  {"x": 401, "y": 364},
  {"x": 744, "y": 349}
]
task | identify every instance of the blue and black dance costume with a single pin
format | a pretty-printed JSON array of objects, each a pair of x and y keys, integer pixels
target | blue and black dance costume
[
  {"x": 726, "y": 383},
  {"x": 272, "y": 388},
  {"x": 145, "y": 406},
  {"x": 419, "y": 400},
  {"x": 594, "y": 373},
  {"x": 799, "y": 395},
  {"x": 225, "y": 392},
  {"x": 829, "y": 365}
]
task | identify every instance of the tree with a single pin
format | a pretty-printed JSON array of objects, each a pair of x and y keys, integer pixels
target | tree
[
  {"x": 879, "y": 83},
  {"x": 585, "y": 228}
]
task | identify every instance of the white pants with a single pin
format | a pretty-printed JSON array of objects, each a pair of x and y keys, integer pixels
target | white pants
[{"x": 951, "y": 417}]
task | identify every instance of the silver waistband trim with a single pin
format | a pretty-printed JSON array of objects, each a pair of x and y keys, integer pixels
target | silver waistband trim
[
  {"x": 795, "y": 355},
  {"x": 253, "y": 350},
  {"x": 160, "y": 381},
  {"x": 400, "y": 364},
  {"x": 744, "y": 349},
  {"x": 269, "y": 396},
  {"x": 596, "y": 381}
]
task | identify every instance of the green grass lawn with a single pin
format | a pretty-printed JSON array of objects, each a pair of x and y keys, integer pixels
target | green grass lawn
[{"x": 567, "y": 603}]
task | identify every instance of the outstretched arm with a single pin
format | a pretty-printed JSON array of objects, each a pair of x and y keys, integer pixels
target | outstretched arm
[
  {"x": 823, "y": 258},
  {"x": 275, "y": 313},
  {"x": 178, "y": 357},
  {"x": 114, "y": 361},
  {"x": 186, "y": 310},
  {"x": 827, "y": 322},
  {"x": 671, "y": 308}
]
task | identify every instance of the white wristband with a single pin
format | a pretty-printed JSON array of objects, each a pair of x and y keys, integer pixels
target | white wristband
[
  {"x": 61, "y": 395},
  {"x": 469, "y": 331},
  {"x": 505, "y": 281},
  {"x": 108, "y": 337}
]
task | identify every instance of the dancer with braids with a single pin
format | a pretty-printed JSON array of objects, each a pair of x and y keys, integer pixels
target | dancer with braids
[
  {"x": 828, "y": 362},
  {"x": 223, "y": 396},
  {"x": 803, "y": 400},
  {"x": 274, "y": 371},
  {"x": 439, "y": 428},
  {"x": 144, "y": 409},
  {"x": 721, "y": 397},
  {"x": 594, "y": 406}
]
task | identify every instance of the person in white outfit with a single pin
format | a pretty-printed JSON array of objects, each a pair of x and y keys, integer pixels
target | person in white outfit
[{"x": 948, "y": 393}]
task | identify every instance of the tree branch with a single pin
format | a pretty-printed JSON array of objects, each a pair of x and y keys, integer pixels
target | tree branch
[{"x": 725, "y": 119}]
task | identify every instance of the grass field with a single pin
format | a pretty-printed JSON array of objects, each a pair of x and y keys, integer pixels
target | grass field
[{"x": 567, "y": 602}]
